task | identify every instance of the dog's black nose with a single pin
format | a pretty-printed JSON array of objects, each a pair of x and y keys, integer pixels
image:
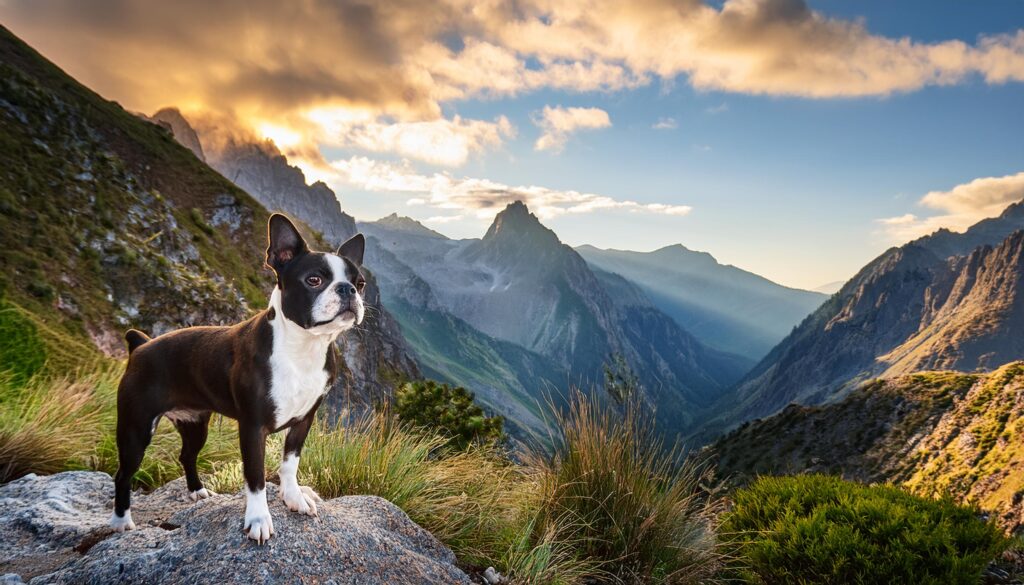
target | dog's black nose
[{"x": 346, "y": 289}]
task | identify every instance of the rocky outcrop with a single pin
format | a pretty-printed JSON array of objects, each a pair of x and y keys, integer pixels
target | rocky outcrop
[
  {"x": 55, "y": 532},
  {"x": 176, "y": 124}
]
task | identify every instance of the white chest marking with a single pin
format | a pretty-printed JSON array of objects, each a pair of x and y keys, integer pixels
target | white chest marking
[{"x": 298, "y": 375}]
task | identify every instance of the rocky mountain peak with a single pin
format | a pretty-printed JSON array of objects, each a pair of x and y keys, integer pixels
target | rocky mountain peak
[
  {"x": 517, "y": 221},
  {"x": 408, "y": 225},
  {"x": 173, "y": 120}
]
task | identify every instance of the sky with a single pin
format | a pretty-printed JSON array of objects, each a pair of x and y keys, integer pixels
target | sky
[{"x": 794, "y": 139}]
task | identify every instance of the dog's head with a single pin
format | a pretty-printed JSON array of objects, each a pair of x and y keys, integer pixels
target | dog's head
[{"x": 320, "y": 292}]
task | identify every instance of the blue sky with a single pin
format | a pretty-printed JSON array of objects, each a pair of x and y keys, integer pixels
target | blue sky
[{"x": 799, "y": 146}]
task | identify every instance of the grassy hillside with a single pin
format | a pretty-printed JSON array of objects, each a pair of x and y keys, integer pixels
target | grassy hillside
[
  {"x": 106, "y": 221},
  {"x": 936, "y": 433}
]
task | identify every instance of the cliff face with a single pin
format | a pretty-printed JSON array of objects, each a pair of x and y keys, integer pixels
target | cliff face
[{"x": 912, "y": 308}]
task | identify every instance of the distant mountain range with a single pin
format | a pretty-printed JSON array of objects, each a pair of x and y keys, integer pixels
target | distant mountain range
[
  {"x": 519, "y": 286},
  {"x": 723, "y": 306},
  {"x": 948, "y": 300}
]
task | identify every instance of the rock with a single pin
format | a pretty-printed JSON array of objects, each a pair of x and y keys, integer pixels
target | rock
[
  {"x": 55, "y": 530},
  {"x": 493, "y": 577}
]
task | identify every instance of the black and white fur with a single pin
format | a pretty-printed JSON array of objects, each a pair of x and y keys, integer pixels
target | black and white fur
[{"x": 270, "y": 373}]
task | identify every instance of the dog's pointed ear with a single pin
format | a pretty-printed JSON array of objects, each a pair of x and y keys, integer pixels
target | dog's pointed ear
[
  {"x": 285, "y": 242},
  {"x": 353, "y": 249}
]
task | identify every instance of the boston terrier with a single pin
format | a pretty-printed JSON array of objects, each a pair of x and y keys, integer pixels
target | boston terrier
[{"x": 269, "y": 373}]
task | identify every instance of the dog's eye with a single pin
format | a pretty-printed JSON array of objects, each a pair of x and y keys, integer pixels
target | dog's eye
[
  {"x": 360, "y": 285},
  {"x": 314, "y": 281}
]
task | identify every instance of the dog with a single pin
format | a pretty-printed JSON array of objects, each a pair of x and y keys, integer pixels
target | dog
[{"x": 270, "y": 373}]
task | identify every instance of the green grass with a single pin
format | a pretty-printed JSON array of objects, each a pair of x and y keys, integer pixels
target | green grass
[{"x": 821, "y": 529}]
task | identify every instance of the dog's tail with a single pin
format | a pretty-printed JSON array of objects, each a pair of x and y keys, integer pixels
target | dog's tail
[{"x": 135, "y": 338}]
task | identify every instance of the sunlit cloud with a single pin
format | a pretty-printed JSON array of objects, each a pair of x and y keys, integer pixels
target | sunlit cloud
[
  {"x": 558, "y": 123},
  {"x": 443, "y": 141},
  {"x": 443, "y": 219},
  {"x": 478, "y": 197},
  {"x": 959, "y": 208},
  {"x": 399, "y": 62},
  {"x": 665, "y": 124}
]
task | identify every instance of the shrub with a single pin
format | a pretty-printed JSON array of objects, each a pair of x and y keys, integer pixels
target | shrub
[
  {"x": 449, "y": 411},
  {"x": 821, "y": 529}
]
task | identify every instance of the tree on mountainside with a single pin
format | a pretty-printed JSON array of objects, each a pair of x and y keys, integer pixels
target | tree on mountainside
[{"x": 449, "y": 410}]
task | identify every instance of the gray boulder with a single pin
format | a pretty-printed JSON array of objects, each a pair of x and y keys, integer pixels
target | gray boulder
[{"x": 55, "y": 532}]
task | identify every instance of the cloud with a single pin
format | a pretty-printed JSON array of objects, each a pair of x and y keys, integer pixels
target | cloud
[
  {"x": 445, "y": 142},
  {"x": 405, "y": 58},
  {"x": 960, "y": 207},
  {"x": 558, "y": 123},
  {"x": 665, "y": 124},
  {"x": 719, "y": 109},
  {"x": 443, "y": 218},
  {"x": 394, "y": 65},
  {"x": 480, "y": 197}
]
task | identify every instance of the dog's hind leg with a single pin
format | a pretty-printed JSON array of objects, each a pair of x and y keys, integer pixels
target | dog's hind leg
[
  {"x": 133, "y": 436},
  {"x": 193, "y": 436}
]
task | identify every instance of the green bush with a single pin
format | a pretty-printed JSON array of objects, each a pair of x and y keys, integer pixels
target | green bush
[
  {"x": 822, "y": 529},
  {"x": 449, "y": 411}
]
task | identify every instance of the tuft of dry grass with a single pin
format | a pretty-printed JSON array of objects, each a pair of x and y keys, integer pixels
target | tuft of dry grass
[
  {"x": 635, "y": 508},
  {"x": 49, "y": 425}
]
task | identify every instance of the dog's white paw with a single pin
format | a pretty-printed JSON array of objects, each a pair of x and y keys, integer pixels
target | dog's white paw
[
  {"x": 301, "y": 499},
  {"x": 122, "y": 523},
  {"x": 259, "y": 528},
  {"x": 258, "y": 525},
  {"x": 201, "y": 494}
]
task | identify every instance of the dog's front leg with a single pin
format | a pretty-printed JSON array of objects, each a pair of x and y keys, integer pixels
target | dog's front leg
[
  {"x": 258, "y": 523},
  {"x": 301, "y": 499}
]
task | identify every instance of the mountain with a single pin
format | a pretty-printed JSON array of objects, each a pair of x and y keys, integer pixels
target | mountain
[
  {"x": 723, "y": 306},
  {"x": 830, "y": 288},
  {"x": 258, "y": 167},
  {"x": 107, "y": 222},
  {"x": 948, "y": 300},
  {"x": 936, "y": 433},
  {"x": 519, "y": 286}
]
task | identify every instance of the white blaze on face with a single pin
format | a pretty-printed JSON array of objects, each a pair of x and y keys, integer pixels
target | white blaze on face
[{"x": 329, "y": 303}]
